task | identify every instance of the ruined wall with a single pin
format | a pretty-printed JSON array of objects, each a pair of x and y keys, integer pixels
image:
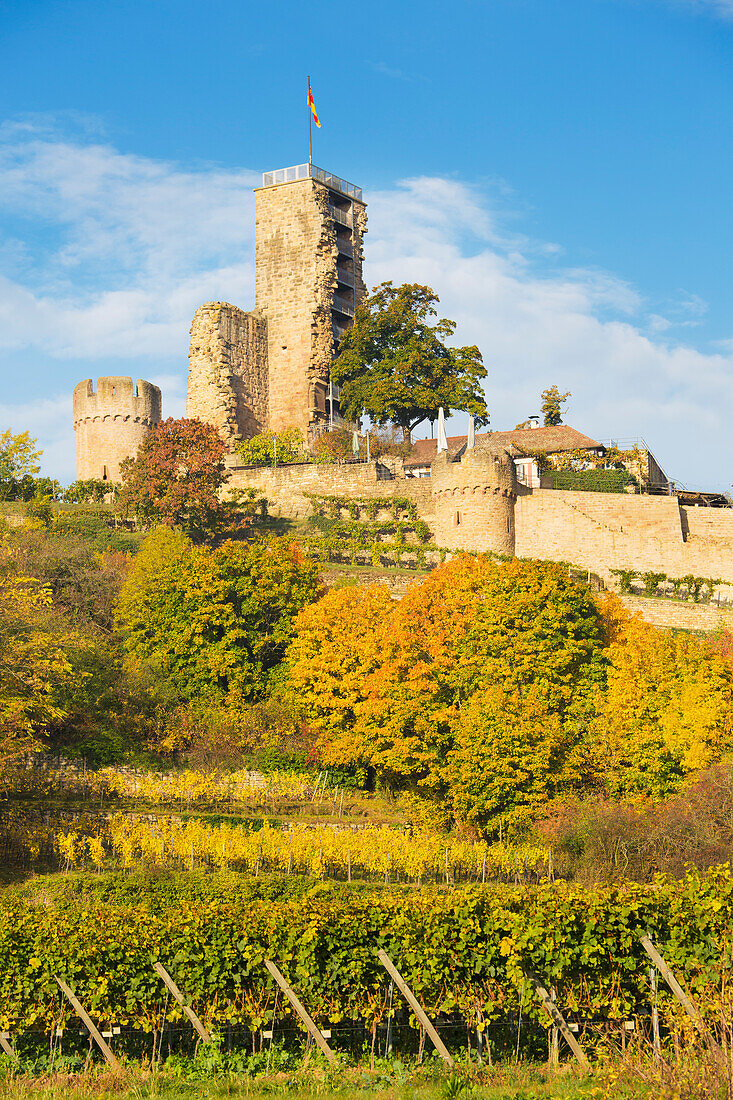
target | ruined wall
[
  {"x": 474, "y": 501},
  {"x": 111, "y": 423},
  {"x": 605, "y": 531},
  {"x": 296, "y": 258},
  {"x": 285, "y": 487},
  {"x": 227, "y": 380}
]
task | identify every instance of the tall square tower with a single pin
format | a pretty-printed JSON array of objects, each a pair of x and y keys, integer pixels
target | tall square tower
[{"x": 309, "y": 234}]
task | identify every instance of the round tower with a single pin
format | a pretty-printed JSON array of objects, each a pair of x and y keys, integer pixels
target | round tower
[
  {"x": 474, "y": 500},
  {"x": 111, "y": 423}
]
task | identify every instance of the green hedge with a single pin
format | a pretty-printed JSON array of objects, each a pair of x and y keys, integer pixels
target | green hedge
[{"x": 589, "y": 481}]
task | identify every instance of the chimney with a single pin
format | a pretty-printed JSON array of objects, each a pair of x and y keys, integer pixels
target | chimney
[{"x": 534, "y": 421}]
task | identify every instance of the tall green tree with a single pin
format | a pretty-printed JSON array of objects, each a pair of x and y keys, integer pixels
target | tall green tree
[
  {"x": 176, "y": 476},
  {"x": 395, "y": 366},
  {"x": 214, "y": 622}
]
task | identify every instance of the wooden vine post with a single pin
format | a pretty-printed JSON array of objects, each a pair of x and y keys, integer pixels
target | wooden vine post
[
  {"x": 6, "y": 1047},
  {"x": 691, "y": 1009},
  {"x": 163, "y": 974},
  {"x": 559, "y": 1021},
  {"x": 313, "y": 1031},
  {"x": 89, "y": 1025},
  {"x": 415, "y": 1005}
]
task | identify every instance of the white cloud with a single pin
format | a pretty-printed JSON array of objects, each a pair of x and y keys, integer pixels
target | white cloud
[
  {"x": 48, "y": 421},
  {"x": 105, "y": 256}
]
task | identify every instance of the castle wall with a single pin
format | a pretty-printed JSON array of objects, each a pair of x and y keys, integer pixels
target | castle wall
[
  {"x": 285, "y": 487},
  {"x": 111, "y": 423},
  {"x": 605, "y": 531},
  {"x": 296, "y": 258},
  {"x": 474, "y": 501},
  {"x": 677, "y": 615},
  {"x": 227, "y": 379}
]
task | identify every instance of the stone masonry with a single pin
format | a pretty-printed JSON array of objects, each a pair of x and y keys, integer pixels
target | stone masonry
[
  {"x": 227, "y": 381},
  {"x": 269, "y": 369},
  {"x": 111, "y": 423}
]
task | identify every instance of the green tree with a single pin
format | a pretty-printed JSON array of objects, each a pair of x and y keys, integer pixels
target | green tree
[
  {"x": 176, "y": 476},
  {"x": 393, "y": 365},
  {"x": 216, "y": 622},
  {"x": 507, "y": 758},
  {"x": 552, "y": 405},
  {"x": 92, "y": 490}
]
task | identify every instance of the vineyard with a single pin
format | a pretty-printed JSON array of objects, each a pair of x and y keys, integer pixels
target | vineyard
[
  {"x": 466, "y": 954},
  {"x": 321, "y": 851}
]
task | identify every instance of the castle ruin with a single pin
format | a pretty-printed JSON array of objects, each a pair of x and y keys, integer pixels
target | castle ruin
[{"x": 269, "y": 369}]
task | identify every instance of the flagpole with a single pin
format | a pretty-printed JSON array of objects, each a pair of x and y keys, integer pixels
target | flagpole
[{"x": 310, "y": 125}]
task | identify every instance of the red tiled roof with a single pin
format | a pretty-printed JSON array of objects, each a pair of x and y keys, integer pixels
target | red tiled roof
[{"x": 552, "y": 440}]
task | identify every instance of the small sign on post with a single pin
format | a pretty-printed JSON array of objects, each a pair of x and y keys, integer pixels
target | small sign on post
[
  {"x": 90, "y": 1025},
  {"x": 313, "y": 1031},
  {"x": 163, "y": 974},
  {"x": 415, "y": 1005}
]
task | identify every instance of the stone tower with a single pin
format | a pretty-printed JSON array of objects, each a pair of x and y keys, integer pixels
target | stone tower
[
  {"x": 474, "y": 500},
  {"x": 269, "y": 368},
  {"x": 111, "y": 424},
  {"x": 308, "y": 282}
]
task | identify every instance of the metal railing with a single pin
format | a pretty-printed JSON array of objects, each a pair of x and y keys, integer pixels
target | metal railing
[
  {"x": 310, "y": 171},
  {"x": 342, "y": 216},
  {"x": 346, "y": 248},
  {"x": 343, "y": 306},
  {"x": 345, "y": 277}
]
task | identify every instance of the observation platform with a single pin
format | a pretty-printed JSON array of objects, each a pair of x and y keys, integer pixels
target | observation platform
[{"x": 310, "y": 171}]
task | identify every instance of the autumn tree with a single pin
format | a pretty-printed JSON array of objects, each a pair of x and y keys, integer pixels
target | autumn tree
[
  {"x": 475, "y": 625},
  {"x": 272, "y": 448},
  {"x": 552, "y": 405},
  {"x": 337, "y": 642},
  {"x": 35, "y": 668},
  {"x": 395, "y": 366},
  {"x": 18, "y": 465},
  {"x": 508, "y": 756},
  {"x": 667, "y": 711},
  {"x": 216, "y": 622},
  {"x": 176, "y": 476}
]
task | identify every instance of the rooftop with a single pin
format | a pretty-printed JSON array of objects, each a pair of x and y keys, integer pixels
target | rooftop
[
  {"x": 552, "y": 440},
  {"x": 310, "y": 171}
]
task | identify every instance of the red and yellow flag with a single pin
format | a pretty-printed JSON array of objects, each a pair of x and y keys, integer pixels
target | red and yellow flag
[{"x": 312, "y": 106}]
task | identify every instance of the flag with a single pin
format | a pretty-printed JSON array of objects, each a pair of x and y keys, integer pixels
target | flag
[{"x": 312, "y": 106}]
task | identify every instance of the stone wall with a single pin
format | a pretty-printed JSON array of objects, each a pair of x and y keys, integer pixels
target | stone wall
[
  {"x": 111, "y": 423},
  {"x": 285, "y": 487},
  {"x": 676, "y": 615},
  {"x": 605, "y": 531},
  {"x": 227, "y": 380}
]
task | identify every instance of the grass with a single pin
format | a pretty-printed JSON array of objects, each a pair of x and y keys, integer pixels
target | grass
[{"x": 402, "y": 1083}]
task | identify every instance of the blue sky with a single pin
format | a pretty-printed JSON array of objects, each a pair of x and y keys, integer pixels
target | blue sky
[{"x": 560, "y": 171}]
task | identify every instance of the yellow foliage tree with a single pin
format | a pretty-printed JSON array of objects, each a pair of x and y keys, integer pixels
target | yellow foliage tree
[
  {"x": 668, "y": 705},
  {"x": 337, "y": 644}
]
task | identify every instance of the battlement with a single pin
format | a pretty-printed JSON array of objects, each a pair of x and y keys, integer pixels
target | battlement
[
  {"x": 474, "y": 500},
  {"x": 117, "y": 398}
]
